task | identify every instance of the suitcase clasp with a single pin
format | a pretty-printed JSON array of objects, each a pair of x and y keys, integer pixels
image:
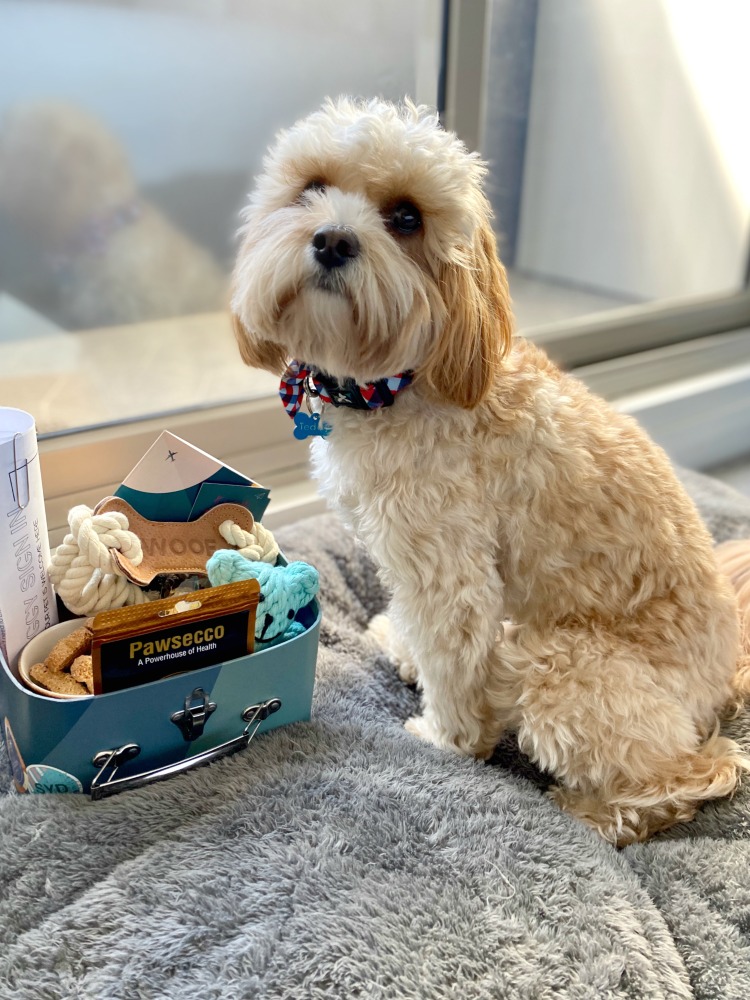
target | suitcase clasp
[{"x": 192, "y": 719}]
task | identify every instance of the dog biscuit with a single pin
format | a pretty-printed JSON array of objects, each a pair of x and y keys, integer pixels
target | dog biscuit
[
  {"x": 66, "y": 650},
  {"x": 81, "y": 669},
  {"x": 56, "y": 681}
]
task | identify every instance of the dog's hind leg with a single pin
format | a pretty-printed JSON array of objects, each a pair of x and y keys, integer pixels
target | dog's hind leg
[
  {"x": 628, "y": 755},
  {"x": 625, "y": 813},
  {"x": 733, "y": 559}
]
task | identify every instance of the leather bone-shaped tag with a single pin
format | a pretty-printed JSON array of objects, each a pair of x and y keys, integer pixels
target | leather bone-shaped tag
[{"x": 173, "y": 546}]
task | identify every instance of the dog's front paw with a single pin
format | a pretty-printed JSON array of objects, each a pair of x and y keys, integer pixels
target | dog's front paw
[
  {"x": 423, "y": 728},
  {"x": 380, "y": 631}
]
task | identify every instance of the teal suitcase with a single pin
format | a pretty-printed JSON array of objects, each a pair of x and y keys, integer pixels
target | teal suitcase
[{"x": 112, "y": 742}]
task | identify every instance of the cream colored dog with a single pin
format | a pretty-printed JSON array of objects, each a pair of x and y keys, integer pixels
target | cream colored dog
[{"x": 495, "y": 488}]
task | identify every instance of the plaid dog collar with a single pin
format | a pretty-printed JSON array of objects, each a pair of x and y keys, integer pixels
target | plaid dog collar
[{"x": 299, "y": 379}]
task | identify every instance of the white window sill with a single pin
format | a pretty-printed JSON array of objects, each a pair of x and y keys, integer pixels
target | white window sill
[
  {"x": 692, "y": 397},
  {"x": 93, "y": 378}
]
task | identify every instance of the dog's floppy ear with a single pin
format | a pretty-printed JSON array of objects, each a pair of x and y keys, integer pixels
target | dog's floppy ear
[
  {"x": 478, "y": 329},
  {"x": 258, "y": 353}
]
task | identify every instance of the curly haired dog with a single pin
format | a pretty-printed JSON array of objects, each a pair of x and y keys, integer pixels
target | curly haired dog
[{"x": 494, "y": 488}]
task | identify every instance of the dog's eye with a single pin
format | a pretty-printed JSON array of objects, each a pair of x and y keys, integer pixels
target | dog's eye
[
  {"x": 405, "y": 218},
  {"x": 316, "y": 185}
]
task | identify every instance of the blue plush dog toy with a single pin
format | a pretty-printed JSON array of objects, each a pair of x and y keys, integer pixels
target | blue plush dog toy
[{"x": 283, "y": 591}]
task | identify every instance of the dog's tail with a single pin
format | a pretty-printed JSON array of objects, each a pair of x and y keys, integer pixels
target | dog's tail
[{"x": 733, "y": 559}]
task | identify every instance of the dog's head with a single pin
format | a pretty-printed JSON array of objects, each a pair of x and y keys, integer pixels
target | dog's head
[{"x": 367, "y": 250}]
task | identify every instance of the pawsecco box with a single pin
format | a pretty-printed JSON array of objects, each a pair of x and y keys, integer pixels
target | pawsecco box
[{"x": 145, "y": 642}]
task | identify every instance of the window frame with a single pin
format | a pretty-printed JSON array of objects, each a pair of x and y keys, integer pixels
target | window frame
[{"x": 613, "y": 348}]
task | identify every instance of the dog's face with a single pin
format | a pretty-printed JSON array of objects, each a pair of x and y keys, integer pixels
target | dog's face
[{"x": 367, "y": 251}]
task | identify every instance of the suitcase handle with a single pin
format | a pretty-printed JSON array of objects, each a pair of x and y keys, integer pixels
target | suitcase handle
[{"x": 114, "y": 758}]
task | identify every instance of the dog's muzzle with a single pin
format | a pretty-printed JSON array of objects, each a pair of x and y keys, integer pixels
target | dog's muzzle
[{"x": 334, "y": 246}]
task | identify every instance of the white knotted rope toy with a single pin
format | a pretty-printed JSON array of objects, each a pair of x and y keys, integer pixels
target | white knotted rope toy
[{"x": 87, "y": 579}]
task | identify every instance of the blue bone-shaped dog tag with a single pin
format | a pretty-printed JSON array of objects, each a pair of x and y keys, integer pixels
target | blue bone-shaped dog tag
[{"x": 306, "y": 426}]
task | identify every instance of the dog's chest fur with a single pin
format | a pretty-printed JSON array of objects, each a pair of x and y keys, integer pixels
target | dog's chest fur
[
  {"x": 545, "y": 477},
  {"x": 406, "y": 476}
]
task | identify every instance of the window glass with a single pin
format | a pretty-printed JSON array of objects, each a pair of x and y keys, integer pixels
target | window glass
[
  {"x": 620, "y": 158},
  {"x": 129, "y": 135}
]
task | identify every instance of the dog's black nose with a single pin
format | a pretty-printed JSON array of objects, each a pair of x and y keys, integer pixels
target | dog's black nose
[{"x": 334, "y": 246}]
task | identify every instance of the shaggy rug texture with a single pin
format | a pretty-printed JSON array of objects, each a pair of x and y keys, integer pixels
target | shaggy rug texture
[{"x": 342, "y": 858}]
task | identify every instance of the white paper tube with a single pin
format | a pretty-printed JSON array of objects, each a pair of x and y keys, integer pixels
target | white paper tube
[{"x": 27, "y": 603}]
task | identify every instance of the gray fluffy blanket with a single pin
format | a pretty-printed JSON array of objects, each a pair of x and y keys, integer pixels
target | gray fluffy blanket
[{"x": 343, "y": 858}]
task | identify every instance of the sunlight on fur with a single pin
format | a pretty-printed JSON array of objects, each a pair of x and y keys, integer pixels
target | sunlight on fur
[{"x": 496, "y": 489}]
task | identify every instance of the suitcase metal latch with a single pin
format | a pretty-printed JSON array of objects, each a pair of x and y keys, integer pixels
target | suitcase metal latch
[{"x": 192, "y": 719}]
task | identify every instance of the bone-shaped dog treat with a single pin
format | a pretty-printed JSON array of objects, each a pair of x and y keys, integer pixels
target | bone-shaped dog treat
[{"x": 173, "y": 546}]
